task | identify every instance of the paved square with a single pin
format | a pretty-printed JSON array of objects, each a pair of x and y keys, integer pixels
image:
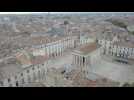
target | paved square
[{"x": 114, "y": 71}]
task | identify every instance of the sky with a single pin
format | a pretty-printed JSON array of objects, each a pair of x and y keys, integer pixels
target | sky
[
  {"x": 21, "y": 12},
  {"x": 57, "y": 12}
]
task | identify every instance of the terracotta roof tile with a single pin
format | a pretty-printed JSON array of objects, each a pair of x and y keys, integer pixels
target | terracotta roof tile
[
  {"x": 88, "y": 48},
  {"x": 39, "y": 59}
]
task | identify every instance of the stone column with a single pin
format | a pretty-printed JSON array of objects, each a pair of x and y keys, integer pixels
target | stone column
[
  {"x": 51, "y": 51},
  {"x": 62, "y": 45},
  {"x": 84, "y": 64},
  {"x": 76, "y": 60},
  {"x": 72, "y": 43},
  {"x": 44, "y": 50},
  {"x": 57, "y": 49},
  {"x": 54, "y": 50},
  {"x": 60, "y": 51},
  {"x": 73, "y": 60},
  {"x": 69, "y": 43},
  {"x": 79, "y": 60},
  {"x": 87, "y": 61},
  {"x": 47, "y": 52},
  {"x": 65, "y": 44}
]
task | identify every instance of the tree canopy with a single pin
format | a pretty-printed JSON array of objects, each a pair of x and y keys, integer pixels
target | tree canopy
[{"x": 66, "y": 22}]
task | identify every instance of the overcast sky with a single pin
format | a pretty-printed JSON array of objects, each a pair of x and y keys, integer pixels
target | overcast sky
[{"x": 57, "y": 12}]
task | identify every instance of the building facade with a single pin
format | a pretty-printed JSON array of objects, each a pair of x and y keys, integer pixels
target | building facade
[
  {"x": 29, "y": 75},
  {"x": 86, "y": 56},
  {"x": 119, "y": 49},
  {"x": 33, "y": 73}
]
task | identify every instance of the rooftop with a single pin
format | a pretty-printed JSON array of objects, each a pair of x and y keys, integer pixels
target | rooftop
[
  {"x": 39, "y": 60},
  {"x": 87, "y": 48}
]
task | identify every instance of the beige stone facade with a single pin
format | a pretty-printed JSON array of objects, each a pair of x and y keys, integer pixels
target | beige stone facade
[
  {"x": 86, "y": 56},
  {"x": 43, "y": 53}
]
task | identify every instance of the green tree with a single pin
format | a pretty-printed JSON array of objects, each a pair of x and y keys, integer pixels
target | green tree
[
  {"x": 126, "y": 85},
  {"x": 66, "y": 22},
  {"x": 118, "y": 23}
]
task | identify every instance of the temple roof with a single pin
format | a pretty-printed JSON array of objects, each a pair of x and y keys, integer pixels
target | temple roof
[{"x": 87, "y": 48}]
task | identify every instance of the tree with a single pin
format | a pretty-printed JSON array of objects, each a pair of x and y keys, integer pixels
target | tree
[
  {"x": 66, "y": 22},
  {"x": 126, "y": 85},
  {"x": 118, "y": 23}
]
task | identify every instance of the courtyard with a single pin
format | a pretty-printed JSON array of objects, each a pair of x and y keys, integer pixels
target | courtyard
[{"x": 115, "y": 71}]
